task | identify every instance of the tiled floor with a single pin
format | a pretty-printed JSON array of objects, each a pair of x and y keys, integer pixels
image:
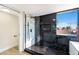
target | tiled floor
[{"x": 14, "y": 51}]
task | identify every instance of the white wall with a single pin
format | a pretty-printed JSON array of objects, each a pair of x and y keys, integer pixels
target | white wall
[{"x": 9, "y": 26}]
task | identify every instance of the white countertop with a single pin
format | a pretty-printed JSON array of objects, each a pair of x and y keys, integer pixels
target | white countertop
[
  {"x": 75, "y": 44},
  {"x": 67, "y": 34}
]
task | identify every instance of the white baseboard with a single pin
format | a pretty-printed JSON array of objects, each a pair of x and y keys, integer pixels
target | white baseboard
[{"x": 6, "y": 48}]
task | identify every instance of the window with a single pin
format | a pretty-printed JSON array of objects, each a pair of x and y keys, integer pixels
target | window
[{"x": 67, "y": 23}]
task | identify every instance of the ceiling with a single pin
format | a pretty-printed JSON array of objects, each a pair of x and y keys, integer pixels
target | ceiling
[{"x": 41, "y": 9}]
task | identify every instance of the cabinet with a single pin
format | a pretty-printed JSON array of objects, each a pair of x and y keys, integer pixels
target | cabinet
[{"x": 73, "y": 48}]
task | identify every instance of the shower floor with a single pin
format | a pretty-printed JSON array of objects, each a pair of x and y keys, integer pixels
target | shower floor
[{"x": 45, "y": 50}]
